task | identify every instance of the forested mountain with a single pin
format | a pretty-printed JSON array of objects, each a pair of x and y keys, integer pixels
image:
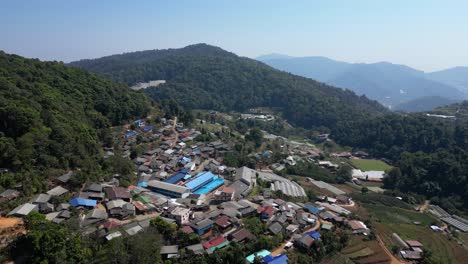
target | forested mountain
[
  {"x": 206, "y": 77},
  {"x": 456, "y": 77},
  {"x": 431, "y": 152},
  {"x": 390, "y": 84},
  {"x": 53, "y": 116},
  {"x": 426, "y": 103},
  {"x": 459, "y": 110}
]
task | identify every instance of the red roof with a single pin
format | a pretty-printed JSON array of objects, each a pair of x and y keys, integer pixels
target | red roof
[
  {"x": 223, "y": 221},
  {"x": 227, "y": 190},
  {"x": 140, "y": 206},
  {"x": 268, "y": 210},
  {"x": 110, "y": 224},
  {"x": 187, "y": 230},
  {"x": 414, "y": 243},
  {"x": 214, "y": 242}
]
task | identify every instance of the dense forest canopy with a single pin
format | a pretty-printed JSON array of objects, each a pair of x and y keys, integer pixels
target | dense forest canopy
[
  {"x": 431, "y": 152},
  {"x": 205, "y": 77},
  {"x": 53, "y": 116}
]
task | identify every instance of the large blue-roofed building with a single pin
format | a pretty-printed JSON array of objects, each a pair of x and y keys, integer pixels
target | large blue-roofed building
[
  {"x": 177, "y": 177},
  {"x": 200, "y": 180}
]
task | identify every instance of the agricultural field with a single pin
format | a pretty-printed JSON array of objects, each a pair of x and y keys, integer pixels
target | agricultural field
[
  {"x": 336, "y": 259},
  {"x": 389, "y": 220},
  {"x": 363, "y": 251},
  {"x": 370, "y": 165}
]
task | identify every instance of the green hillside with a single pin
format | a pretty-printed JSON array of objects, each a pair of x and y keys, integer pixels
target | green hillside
[
  {"x": 207, "y": 77},
  {"x": 53, "y": 116}
]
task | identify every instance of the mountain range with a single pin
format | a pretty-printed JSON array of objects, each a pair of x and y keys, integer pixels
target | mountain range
[{"x": 390, "y": 84}]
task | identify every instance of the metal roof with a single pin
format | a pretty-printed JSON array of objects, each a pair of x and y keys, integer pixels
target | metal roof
[
  {"x": 167, "y": 186},
  {"x": 200, "y": 180}
]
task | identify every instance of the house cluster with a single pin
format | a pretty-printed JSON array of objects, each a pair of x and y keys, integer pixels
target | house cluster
[
  {"x": 411, "y": 250},
  {"x": 454, "y": 221},
  {"x": 185, "y": 182}
]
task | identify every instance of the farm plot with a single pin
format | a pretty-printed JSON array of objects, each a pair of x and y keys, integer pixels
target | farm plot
[{"x": 370, "y": 165}]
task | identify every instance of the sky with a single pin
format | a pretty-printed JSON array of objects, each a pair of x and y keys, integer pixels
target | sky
[{"x": 426, "y": 34}]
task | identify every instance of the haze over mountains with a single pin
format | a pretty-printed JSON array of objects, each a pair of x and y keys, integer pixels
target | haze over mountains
[{"x": 390, "y": 84}]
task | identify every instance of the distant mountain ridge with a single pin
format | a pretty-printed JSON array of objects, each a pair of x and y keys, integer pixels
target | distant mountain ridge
[{"x": 390, "y": 84}]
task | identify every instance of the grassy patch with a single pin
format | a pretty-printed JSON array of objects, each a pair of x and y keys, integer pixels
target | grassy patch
[
  {"x": 394, "y": 215},
  {"x": 360, "y": 253},
  {"x": 380, "y": 199},
  {"x": 337, "y": 258},
  {"x": 370, "y": 164}
]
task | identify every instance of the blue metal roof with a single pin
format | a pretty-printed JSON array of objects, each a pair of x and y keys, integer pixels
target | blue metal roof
[
  {"x": 142, "y": 184},
  {"x": 280, "y": 259},
  {"x": 148, "y": 128},
  {"x": 314, "y": 234},
  {"x": 312, "y": 209},
  {"x": 177, "y": 177},
  {"x": 82, "y": 202},
  {"x": 131, "y": 134},
  {"x": 199, "y": 180}
]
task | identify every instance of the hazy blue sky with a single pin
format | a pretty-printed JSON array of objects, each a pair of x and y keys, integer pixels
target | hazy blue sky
[{"x": 425, "y": 34}]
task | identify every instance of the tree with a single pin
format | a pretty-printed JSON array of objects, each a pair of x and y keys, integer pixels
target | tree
[
  {"x": 256, "y": 136},
  {"x": 364, "y": 190},
  {"x": 47, "y": 242},
  {"x": 343, "y": 174}
]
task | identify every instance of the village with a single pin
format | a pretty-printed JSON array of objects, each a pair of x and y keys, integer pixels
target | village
[{"x": 185, "y": 182}]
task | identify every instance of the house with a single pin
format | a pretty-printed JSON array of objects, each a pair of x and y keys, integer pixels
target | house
[
  {"x": 305, "y": 241},
  {"x": 358, "y": 227},
  {"x": 314, "y": 234},
  {"x": 196, "y": 249},
  {"x": 168, "y": 252},
  {"x": 224, "y": 194},
  {"x": 187, "y": 230},
  {"x": 223, "y": 222},
  {"x": 262, "y": 253},
  {"x": 77, "y": 202},
  {"x": 275, "y": 228},
  {"x": 168, "y": 189},
  {"x": 242, "y": 235},
  {"x": 313, "y": 210},
  {"x": 415, "y": 245},
  {"x": 132, "y": 228},
  {"x": 57, "y": 191},
  {"x": 215, "y": 243},
  {"x": 120, "y": 209},
  {"x": 41, "y": 198},
  {"x": 9, "y": 195},
  {"x": 291, "y": 229},
  {"x": 342, "y": 199},
  {"x": 94, "y": 216},
  {"x": 65, "y": 177},
  {"x": 114, "y": 193},
  {"x": 279, "y": 259},
  {"x": 24, "y": 210},
  {"x": 181, "y": 215},
  {"x": 202, "y": 226},
  {"x": 266, "y": 212},
  {"x": 140, "y": 208},
  {"x": 411, "y": 255}
]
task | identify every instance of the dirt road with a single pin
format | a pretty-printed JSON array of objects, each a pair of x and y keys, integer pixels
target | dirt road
[
  {"x": 280, "y": 249},
  {"x": 424, "y": 206},
  {"x": 393, "y": 259}
]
